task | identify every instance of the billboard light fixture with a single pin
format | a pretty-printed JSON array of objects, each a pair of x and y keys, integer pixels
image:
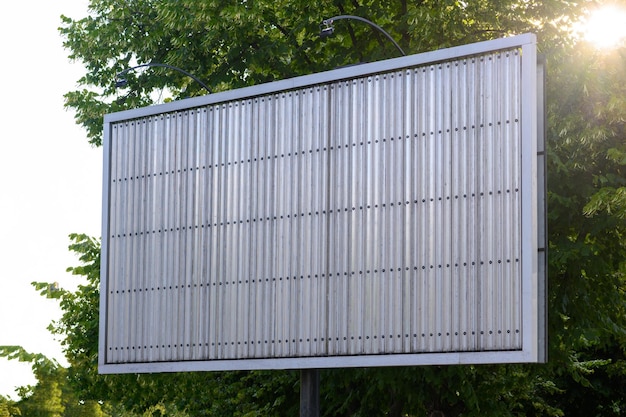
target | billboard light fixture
[
  {"x": 121, "y": 81},
  {"x": 327, "y": 29}
]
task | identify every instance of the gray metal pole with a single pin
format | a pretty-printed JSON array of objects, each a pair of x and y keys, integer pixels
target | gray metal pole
[{"x": 309, "y": 393}]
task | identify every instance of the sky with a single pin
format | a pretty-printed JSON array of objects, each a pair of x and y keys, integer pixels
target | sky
[{"x": 50, "y": 177}]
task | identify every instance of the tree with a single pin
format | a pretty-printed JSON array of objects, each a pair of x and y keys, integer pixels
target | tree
[
  {"x": 8, "y": 407},
  {"x": 229, "y": 44},
  {"x": 44, "y": 399},
  {"x": 51, "y": 397},
  {"x": 586, "y": 199}
]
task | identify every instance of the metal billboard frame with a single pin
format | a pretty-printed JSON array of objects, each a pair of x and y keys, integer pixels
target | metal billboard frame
[{"x": 532, "y": 218}]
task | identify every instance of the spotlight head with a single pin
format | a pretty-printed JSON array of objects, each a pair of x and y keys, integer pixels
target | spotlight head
[
  {"x": 327, "y": 32},
  {"x": 121, "y": 82},
  {"x": 327, "y": 29}
]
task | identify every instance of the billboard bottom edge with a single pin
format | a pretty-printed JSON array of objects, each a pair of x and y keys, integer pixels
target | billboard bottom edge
[{"x": 460, "y": 358}]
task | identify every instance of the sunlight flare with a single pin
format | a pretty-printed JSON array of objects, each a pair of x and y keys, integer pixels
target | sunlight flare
[{"x": 605, "y": 27}]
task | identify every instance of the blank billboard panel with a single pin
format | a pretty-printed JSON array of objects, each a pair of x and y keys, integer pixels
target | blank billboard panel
[{"x": 384, "y": 214}]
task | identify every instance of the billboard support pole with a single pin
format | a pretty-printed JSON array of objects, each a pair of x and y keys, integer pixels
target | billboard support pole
[{"x": 309, "y": 393}]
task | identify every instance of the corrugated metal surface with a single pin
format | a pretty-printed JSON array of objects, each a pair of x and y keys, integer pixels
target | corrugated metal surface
[{"x": 375, "y": 215}]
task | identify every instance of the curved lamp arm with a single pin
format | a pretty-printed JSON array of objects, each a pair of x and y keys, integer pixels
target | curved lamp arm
[
  {"x": 120, "y": 79},
  {"x": 327, "y": 29}
]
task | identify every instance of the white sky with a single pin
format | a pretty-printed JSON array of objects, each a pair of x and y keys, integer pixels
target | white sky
[{"x": 50, "y": 177}]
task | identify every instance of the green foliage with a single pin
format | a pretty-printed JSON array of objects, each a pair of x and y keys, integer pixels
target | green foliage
[
  {"x": 586, "y": 198},
  {"x": 41, "y": 365},
  {"x": 51, "y": 397},
  {"x": 586, "y": 183},
  {"x": 8, "y": 408},
  {"x": 230, "y": 44}
]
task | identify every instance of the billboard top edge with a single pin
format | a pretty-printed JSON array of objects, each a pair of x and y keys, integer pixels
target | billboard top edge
[{"x": 327, "y": 76}]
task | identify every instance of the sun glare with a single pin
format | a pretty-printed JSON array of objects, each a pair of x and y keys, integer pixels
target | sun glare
[{"x": 605, "y": 27}]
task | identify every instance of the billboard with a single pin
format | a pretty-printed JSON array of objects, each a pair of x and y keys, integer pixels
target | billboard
[{"x": 384, "y": 214}]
